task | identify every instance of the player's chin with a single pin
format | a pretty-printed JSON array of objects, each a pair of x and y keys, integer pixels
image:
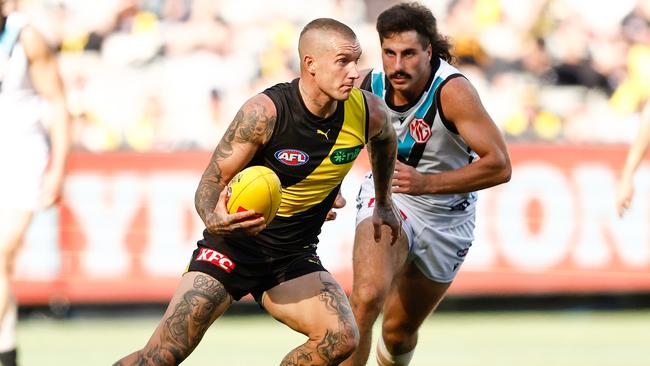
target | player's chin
[
  {"x": 344, "y": 93},
  {"x": 342, "y": 97}
]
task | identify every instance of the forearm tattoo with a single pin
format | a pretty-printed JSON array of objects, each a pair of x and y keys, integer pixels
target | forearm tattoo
[
  {"x": 383, "y": 152},
  {"x": 251, "y": 125}
]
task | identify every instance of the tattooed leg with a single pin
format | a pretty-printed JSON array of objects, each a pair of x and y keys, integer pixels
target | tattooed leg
[
  {"x": 197, "y": 303},
  {"x": 316, "y": 306}
]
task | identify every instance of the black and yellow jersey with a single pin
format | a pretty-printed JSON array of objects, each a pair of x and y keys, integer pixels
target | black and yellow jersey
[{"x": 311, "y": 156}]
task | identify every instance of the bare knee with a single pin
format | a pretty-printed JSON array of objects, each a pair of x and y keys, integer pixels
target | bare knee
[
  {"x": 399, "y": 338},
  {"x": 368, "y": 297}
]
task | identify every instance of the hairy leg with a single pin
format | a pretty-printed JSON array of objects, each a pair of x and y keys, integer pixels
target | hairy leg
[
  {"x": 314, "y": 305},
  {"x": 375, "y": 265},
  {"x": 197, "y": 303},
  {"x": 409, "y": 302}
]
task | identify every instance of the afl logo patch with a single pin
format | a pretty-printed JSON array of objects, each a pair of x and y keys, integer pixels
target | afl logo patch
[
  {"x": 420, "y": 130},
  {"x": 291, "y": 157}
]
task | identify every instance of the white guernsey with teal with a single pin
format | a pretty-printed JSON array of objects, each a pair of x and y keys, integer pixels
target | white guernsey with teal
[{"x": 439, "y": 226}]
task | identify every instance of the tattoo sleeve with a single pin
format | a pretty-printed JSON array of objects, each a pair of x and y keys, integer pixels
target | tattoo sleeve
[
  {"x": 383, "y": 152},
  {"x": 253, "y": 125}
]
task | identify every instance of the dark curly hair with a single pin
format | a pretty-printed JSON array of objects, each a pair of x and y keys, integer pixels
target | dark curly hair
[
  {"x": 409, "y": 16},
  {"x": 3, "y": 18}
]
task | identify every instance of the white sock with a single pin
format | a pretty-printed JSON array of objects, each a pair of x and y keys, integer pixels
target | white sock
[
  {"x": 384, "y": 358},
  {"x": 8, "y": 327}
]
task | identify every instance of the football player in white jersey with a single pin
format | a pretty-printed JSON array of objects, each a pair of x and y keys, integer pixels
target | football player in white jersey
[
  {"x": 32, "y": 158},
  {"x": 448, "y": 148}
]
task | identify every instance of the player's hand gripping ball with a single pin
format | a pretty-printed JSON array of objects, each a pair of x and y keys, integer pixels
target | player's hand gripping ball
[{"x": 255, "y": 188}]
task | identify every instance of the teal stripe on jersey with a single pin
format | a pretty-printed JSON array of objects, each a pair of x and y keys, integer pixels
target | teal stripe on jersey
[
  {"x": 378, "y": 84},
  {"x": 8, "y": 38},
  {"x": 422, "y": 111},
  {"x": 405, "y": 146}
]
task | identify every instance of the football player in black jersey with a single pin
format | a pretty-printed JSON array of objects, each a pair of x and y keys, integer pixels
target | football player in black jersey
[{"x": 309, "y": 131}]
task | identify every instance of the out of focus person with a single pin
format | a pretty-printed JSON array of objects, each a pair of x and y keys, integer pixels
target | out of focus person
[
  {"x": 32, "y": 155},
  {"x": 635, "y": 154}
]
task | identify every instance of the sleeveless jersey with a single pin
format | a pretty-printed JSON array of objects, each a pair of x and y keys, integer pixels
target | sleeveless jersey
[
  {"x": 20, "y": 105},
  {"x": 311, "y": 156},
  {"x": 426, "y": 140}
]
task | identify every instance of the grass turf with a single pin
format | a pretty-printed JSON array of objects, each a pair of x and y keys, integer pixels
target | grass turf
[{"x": 461, "y": 339}]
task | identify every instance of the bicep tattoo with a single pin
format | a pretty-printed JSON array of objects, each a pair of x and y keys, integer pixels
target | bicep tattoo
[{"x": 252, "y": 124}]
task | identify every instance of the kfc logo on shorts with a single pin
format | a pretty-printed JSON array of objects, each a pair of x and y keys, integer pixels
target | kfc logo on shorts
[
  {"x": 216, "y": 258},
  {"x": 291, "y": 157},
  {"x": 420, "y": 130}
]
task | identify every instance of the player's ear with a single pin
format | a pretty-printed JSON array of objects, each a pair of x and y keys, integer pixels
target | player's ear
[{"x": 310, "y": 64}]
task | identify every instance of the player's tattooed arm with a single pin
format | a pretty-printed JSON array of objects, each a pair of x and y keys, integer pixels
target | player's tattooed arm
[
  {"x": 383, "y": 153},
  {"x": 251, "y": 128},
  {"x": 382, "y": 146}
]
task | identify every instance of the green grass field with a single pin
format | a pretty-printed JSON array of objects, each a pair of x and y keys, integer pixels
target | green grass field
[{"x": 458, "y": 339}]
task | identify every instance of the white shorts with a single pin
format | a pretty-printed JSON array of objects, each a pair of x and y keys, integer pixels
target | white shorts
[
  {"x": 438, "y": 241},
  {"x": 22, "y": 162}
]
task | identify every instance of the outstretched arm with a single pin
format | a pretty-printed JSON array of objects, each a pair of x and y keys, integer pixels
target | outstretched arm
[
  {"x": 383, "y": 152},
  {"x": 637, "y": 150},
  {"x": 250, "y": 129},
  {"x": 462, "y": 106},
  {"x": 44, "y": 75}
]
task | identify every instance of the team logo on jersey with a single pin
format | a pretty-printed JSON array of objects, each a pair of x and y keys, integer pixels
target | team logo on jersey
[
  {"x": 420, "y": 130},
  {"x": 345, "y": 155},
  {"x": 292, "y": 157}
]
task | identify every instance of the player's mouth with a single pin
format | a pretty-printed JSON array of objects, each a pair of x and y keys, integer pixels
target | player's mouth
[{"x": 400, "y": 77}]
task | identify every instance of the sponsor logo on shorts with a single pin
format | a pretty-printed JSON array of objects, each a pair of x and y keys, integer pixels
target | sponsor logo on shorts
[
  {"x": 462, "y": 253},
  {"x": 461, "y": 206},
  {"x": 314, "y": 260},
  {"x": 291, "y": 157},
  {"x": 216, "y": 258}
]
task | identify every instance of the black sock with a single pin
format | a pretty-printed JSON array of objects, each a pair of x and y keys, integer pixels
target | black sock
[{"x": 8, "y": 358}]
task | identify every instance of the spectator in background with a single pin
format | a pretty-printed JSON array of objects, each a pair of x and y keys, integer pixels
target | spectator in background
[
  {"x": 637, "y": 150},
  {"x": 29, "y": 78}
]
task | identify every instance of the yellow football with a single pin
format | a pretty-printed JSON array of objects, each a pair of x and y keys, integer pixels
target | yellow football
[{"x": 255, "y": 188}]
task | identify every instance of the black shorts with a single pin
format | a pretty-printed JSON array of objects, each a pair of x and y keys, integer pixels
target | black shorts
[{"x": 244, "y": 267}]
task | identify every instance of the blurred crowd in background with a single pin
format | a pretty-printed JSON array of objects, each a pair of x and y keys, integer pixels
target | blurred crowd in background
[{"x": 168, "y": 75}]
